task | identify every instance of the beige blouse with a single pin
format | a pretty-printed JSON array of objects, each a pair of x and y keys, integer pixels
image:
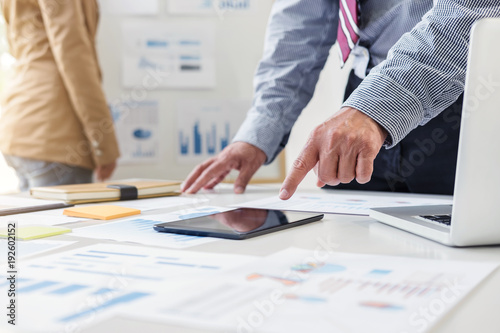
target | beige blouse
[{"x": 53, "y": 106}]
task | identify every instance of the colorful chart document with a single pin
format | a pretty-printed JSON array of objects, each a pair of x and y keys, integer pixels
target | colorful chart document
[
  {"x": 336, "y": 202},
  {"x": 301, "y": 291},
  {"x": 67, "y": 291}
]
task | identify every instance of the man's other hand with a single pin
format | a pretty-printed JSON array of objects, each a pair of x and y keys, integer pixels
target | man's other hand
[
  {"x": 241, "y": 156},
  {"x": 104, "y": 172},
  {"x": 341, "y": 149}
]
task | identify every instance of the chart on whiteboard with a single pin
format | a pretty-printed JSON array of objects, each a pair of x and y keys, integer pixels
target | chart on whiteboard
[
  {"x": 159, "y": 55},
  {"x": 205, "y": 127},
  {"x": 137, "y": 129}
]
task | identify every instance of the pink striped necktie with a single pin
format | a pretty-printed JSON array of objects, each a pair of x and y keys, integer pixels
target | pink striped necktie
[{"x": 348, "y": 32}]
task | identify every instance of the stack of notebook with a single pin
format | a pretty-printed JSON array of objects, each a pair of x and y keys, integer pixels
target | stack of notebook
[{"x": 110, "y": 191}]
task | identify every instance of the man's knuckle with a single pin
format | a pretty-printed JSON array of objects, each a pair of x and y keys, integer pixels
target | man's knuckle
[
  {"x": 363, "y": 173},
  {"x": 300, "y": 165},
  {"x": 205, "y": 164},
  {"x": 346, "y": 179},
  {"x": 368, "y": 148},
  {"x": 317, "y": 131},
  {"x": 334, "y": 135},
  {"x": 350, "y": 139},
  {"x": 327, "y": 178}
]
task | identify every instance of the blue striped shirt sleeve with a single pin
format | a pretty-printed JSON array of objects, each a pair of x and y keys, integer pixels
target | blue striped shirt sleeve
[
  {"x": 299, "y": 37},
  {"x": 425, "y": 70}
]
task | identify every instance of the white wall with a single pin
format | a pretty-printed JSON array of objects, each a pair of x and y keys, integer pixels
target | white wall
[
  {"x": 239, "y": 46},
  {"x": 8, "y": 179}
]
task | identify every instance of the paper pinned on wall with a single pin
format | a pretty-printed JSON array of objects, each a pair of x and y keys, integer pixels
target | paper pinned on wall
[
  {"x": 211, "y": 7},
  {"x": 129, "y": 7},
  {"x": 137, "y": 129},
  {"x": 159, "y": 55},
  {"x": 205, "y": 127}
]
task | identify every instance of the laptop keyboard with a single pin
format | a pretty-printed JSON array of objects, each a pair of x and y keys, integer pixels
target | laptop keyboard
[{"x": 443, "y": 219}]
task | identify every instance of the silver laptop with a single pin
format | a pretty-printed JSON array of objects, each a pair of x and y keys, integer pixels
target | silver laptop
[{"x": 474, "y": 218}]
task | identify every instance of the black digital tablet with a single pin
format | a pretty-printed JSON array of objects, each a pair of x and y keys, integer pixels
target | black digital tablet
[{"x": 241, "y": 223}]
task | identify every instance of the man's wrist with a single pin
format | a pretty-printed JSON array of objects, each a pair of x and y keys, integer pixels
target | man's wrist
[
  {"x": 262, "y": 133},
  {"x": 394, "y": 108}
]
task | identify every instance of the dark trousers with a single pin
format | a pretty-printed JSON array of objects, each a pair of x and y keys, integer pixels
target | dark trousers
[{"x": 423, "y": 162}]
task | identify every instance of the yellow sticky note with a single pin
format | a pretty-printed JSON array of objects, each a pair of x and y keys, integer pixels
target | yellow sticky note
[
  {"x": 101, "y": 212},
  {"x": 33, "y": 232}
]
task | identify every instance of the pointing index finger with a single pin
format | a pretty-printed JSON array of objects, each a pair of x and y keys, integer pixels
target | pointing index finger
[{"x": 302, "y": 165}]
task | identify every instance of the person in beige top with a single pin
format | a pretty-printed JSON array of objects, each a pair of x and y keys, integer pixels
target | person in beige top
[{"x": 55, "y": 126}]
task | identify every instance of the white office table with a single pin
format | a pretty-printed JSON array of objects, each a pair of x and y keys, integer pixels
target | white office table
[{"x": 478, "y": 312}]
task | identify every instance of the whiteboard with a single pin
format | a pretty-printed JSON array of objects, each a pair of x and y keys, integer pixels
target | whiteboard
[{"x": 239, "y": 41}]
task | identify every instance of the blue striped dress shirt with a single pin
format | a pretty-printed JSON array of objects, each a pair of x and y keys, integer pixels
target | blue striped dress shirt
[{"x": 426, "y": 48}]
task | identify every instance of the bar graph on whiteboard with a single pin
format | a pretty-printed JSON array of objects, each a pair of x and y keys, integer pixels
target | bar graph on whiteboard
[
  {"x": 205, "y": 128},
  {"x": 210, "y": 143}
]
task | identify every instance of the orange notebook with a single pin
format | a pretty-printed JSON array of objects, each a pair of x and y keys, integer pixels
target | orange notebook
[{"x": 101, "y": 212}]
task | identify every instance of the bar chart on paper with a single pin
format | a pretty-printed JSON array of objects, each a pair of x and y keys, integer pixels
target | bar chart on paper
[
  {"x": 80, "y": 287},
  {"x": 140, "y": 230},
  {"x": 70, "y": 303},
  {"x": 205, "y": 128},
  {"x": 332, "y": 292}
]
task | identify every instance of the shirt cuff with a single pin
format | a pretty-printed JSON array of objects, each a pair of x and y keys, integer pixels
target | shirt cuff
[
  {"x": 388, "y": 103},
  {"x": 263, "y": 132}
]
